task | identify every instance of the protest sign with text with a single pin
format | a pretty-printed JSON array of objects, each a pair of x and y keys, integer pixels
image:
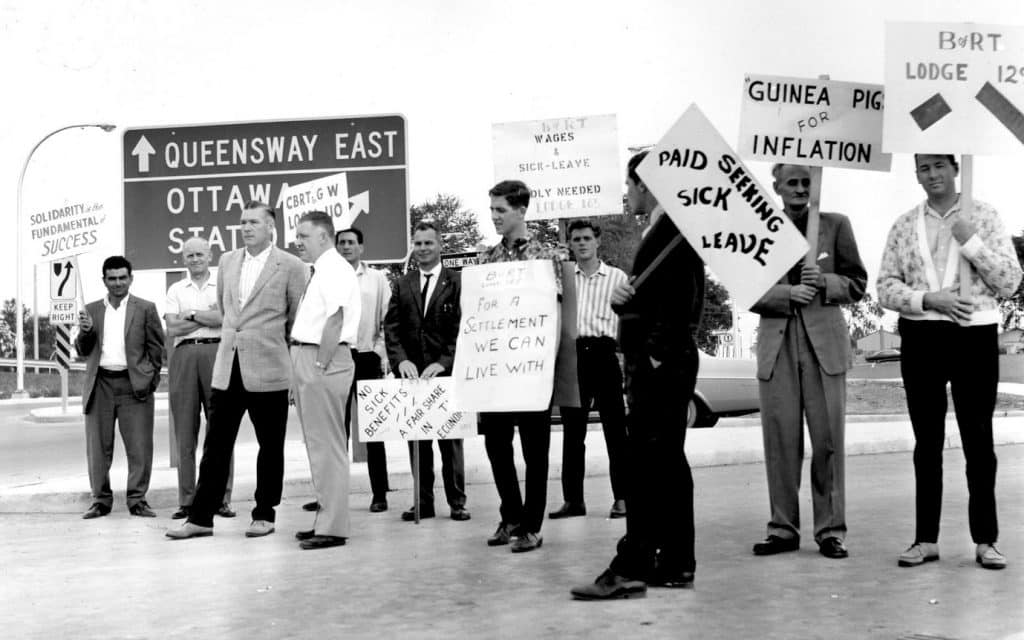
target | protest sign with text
[
  {"x": 505, "y": 354},
  {"x": 328, "y": 194},
  {"x": 68, "y": 230},
  {"x": 570, "y": 164},
  {"x": 953, "y": 88},
  {"x": 726, "y": 216},
  {"x": 416, "y": 409},
  {"x": 813, "y": 122}
]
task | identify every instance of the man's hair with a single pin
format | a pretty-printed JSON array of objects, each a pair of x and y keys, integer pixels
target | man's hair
[
  {"x": 634, "y": 162},
  {"x": 319, "y": 219},
  {"x": 948, "y": 156},
  {"x": 353, "y": 230},
  {"x": 515, "y": 192},
  {"x": 584, "y": 224},
  {"x": 197, "y": 239},
  {"x": 427, "y": 225},
  {"x": 266, "y": 208},
  {"x": 116, "y": 262}
]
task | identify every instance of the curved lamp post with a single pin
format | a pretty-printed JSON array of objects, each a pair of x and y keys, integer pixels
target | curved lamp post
[{"x": 19, "y": 319}]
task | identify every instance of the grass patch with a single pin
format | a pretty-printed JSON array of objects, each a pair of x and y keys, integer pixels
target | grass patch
[
  {"x": 869, "y": 397},
  {"x": 47, "y": 384}
]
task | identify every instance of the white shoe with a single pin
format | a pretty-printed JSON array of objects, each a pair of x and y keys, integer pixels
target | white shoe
[
  {"x": 989, "y": 557},
  {"x": 918, "y": 554},
  {"x": 188, "y": 530},
  {"x": 259, "y": 528}
]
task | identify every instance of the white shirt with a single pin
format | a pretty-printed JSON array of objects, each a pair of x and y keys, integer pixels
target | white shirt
[
  {"x": 434, "y": 273},
  {"x": 333, "y": 286},
  {"x": 112, "y": 355},
  {"x": 252, "y": 266},
  {"x": 185, "y": 294},
  {"x": 375, "y": 291},
  {"x": 594, "y": 315}
]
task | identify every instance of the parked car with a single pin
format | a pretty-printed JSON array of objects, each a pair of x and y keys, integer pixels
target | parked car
[{"x": 884, "y": 355}]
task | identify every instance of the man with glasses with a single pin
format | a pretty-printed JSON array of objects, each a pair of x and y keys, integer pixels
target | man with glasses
[{"x": 803, "y": 352}]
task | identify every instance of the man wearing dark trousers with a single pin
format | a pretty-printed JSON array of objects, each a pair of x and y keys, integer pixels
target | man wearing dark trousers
[
  {"x": 123, "y": 342},
  {"x": 421, "y": 327},
  {"x": 949, "y": 338},
  {"x": 658, "y": 342},
  {"x": 258, "y": 289},
  {"x": 600, "y": 377},
  {"x": 520, "y": 520}
]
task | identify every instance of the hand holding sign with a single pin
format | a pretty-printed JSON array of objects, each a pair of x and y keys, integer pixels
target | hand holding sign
[{"x": 963, "y": 229}]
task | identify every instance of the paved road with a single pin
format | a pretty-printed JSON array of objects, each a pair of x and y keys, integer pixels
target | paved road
[{"x": 117, "y": 577}]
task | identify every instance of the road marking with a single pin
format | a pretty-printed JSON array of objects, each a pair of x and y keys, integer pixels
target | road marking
[
  {"x": 1004, "y": 110},
  {"x": 930, "y": 111}
]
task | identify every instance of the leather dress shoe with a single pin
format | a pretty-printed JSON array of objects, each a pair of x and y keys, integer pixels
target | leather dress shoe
[
  {"x": 311, "y": 506},
  {"x": 378, "y": 506},
  {"x": 322, "y": 542},
  {"x": 180, "y": 514},
  {"x": 304, "y": 535},
  {"x": 568, "y": 510},
  {"x": 610, "y": 586},
  {"x": 97, "y": 510},
  {"x": 618, "y": 510},
  {"x": 460, "y": 514},
  {"x": 410, "y": 514},
  {"x": 225, "y": 511},
  {"x": 142, "y": 510},
  {"x": 188, "y": 530},
  {"x": 775, "y": 544},
  {"x": 833, "y": 547},
  {"x": 527, "y": 542},
  {"x": 681, "y": 580},
  {"x": 502, "y": 535}
]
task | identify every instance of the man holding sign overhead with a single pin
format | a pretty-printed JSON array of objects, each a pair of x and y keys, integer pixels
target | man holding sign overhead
[
  {"x": 803, "y": 349},
  {"x": 950, "y": 338}
]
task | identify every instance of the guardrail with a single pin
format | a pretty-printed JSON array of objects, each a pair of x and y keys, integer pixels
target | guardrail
[{"x": 11, "y": 363}]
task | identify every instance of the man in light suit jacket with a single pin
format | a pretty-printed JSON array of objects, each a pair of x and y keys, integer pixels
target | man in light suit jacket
[
  {"x": 258, "y": 291},
  {"x": 803, "y": 350},
  {"x": 421, "y": 326},
  {"x": 123, "y": 340}
]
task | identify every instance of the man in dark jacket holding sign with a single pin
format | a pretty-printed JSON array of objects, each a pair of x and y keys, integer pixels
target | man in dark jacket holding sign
[{"x": 658, "y": 341}]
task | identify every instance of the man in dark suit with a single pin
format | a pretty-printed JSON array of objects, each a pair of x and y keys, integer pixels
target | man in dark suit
[
  {"x": 123, "y": 340},
  {"x": 803, "y": 352},
  {"x": 657, "y": 335},
  {"x": 421, "y": 326}
]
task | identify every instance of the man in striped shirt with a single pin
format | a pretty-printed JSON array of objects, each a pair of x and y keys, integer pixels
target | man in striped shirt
[{"x": 600, "y": 378}]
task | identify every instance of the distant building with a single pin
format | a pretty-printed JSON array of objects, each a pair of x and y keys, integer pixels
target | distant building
[
  {"x": 1011, "y": 341},
  {"x": 877, "y": 341}
]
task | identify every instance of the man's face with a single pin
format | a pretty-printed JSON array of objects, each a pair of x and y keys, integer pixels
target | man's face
[
  {"x": 634, "y": 197},
  {"x": 794, "y": 186},
  {"x": 117, "y": 282},
  {"x": 583, "y": 244},
  {"x": 309, "y": 241},
  {"x": 196, "y": 255},
  {"x": 507, "y": 219},
  {"x": 257, "y": 228},
  {"x": 426, "y": 248},
  {"x": 349, "y": 248},
  {"x": 937, "y": 175}
]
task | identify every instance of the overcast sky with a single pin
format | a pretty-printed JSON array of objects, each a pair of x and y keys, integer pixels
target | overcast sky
[{"x": 453, "y": 68}]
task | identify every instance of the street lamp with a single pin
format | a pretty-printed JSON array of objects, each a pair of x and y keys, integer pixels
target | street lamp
[{"x": 19, "y": 320}]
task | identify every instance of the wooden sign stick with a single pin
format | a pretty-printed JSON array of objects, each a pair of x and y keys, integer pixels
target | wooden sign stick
[
  {"x": 813, "y": 207},
  {"x": 966, "y": 208}
]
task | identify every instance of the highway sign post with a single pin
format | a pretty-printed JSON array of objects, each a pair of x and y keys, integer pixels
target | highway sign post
[{"x": 193, "y": 180}]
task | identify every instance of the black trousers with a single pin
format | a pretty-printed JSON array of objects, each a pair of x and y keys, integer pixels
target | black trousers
[
  {"x": 659, "y": 485},
  {"x": 368, "y": 368},
  {"x": 268, "y": 411},
  {"x": 932, "y": 354},
  {"x": 453, "y": 471},
  {"x": 600, "y": 382},
  {"x": 498, "y": 430}
]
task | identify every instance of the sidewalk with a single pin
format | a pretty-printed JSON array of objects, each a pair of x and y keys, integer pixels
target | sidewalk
[{"x": 732, "y": 441}]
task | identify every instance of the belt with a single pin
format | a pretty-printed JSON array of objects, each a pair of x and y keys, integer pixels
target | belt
[
  {"x": 300, "y": 343},
  {"x": 595, "y": 340},
  {"x": 111, "y": 373},
  {"x": 198, "y": 341}
]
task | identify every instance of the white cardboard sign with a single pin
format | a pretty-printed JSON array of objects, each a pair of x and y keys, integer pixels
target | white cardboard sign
[
  {"x": 953, "y": 88},
  {"x": 718, "y": 205},
  {"x": 813, "y": 122},
  {"x": 505, "y": 354},
  {"x": 68, "y": 230},
  {"x": 417, "y": 409},
  {"x": 328, "y": 194},
  {"x": 570, "y": 164}
]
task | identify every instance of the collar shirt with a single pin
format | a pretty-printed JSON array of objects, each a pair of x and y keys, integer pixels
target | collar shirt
[
  {"x": 375, "y": 294},
  {"x": 657, "y": 210},
  {"x": 333, "y": 286},
  {"x": 939, "y": 231},
  {"x": 112, "y": 353},
  {"x": 185, "y": 295},
  {"x": 594, "y": 315},
  {"x": 434, "y": 274},
  {"x": 528, "y": 248},
  {"x": 252, "y": 266}
]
